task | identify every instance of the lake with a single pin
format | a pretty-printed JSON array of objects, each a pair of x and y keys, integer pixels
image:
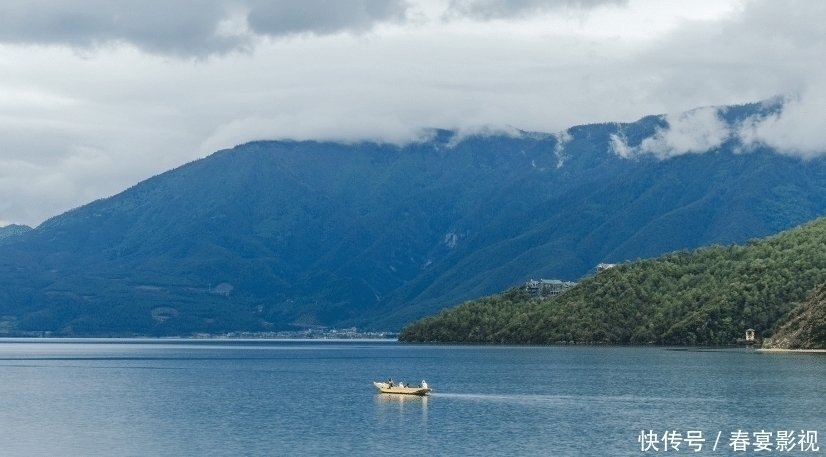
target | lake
[{"x": 296, "y": 397}]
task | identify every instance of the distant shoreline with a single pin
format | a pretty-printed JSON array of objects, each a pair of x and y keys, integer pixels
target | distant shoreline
[{"x": 799, "y": 351}]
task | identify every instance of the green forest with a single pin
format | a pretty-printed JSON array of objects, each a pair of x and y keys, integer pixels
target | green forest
[{"x": 707, "y": 296}]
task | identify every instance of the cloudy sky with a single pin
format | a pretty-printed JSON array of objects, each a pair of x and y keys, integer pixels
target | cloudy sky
[{"x": 97, "y": 95}]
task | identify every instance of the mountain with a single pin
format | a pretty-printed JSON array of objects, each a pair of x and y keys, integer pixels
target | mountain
[
  {"x": 805, "y": 325},
  {"x": 708, "y": 296},
  {"x": 8, "y": 233},
  {"x": 288, "y": 234}
]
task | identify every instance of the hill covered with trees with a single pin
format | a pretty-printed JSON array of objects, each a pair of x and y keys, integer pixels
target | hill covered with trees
[
  {"x": 708, "y": 296},
  {"x": 805, "y": 326},
  {"x": 9, "y": 233}
]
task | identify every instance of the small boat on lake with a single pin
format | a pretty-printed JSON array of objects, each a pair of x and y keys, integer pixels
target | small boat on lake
[{"x": 391, "y": 387}]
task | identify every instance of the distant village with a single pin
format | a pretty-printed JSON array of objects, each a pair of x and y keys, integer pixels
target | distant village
[{"x": 546, "y": 288}]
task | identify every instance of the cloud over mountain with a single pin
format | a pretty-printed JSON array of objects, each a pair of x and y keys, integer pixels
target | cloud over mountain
[
  {"x": 695, "y": 131},
  {"x": 796, "y": 130},
  {"x": 786, "y": 125}
]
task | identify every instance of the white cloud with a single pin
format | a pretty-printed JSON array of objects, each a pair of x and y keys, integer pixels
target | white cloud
[
  {"x": 798, "y": 129},
  {"x": 467, "y": 131},
  {"x": 562, "y": 138},
  {"x": 619, "y": 146},
  {"x": 793, "y": 127},
  {"x": 696, "y": 131}
]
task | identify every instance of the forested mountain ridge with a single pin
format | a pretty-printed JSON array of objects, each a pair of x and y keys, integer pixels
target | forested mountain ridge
[
  {"x": 9, "y": 233},
  {"x": 288, "y": 234},
  {"x": 708, "y": 296}
]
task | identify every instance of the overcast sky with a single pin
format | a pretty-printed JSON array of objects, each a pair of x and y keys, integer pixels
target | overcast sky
[{"x": 97, "y": 95}]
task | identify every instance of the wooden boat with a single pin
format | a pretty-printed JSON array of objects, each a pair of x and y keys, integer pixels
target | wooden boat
[{"x": 402, "y": 388}]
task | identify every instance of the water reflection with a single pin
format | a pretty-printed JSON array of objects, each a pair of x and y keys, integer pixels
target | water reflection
[
  {"x": 404, "y": 406},
  {"x": 401, "y": 400}
]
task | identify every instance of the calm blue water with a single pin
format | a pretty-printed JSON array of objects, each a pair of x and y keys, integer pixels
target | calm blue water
[{"x": 251, "y": 398}]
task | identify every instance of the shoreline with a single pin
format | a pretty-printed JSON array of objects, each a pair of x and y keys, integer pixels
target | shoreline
[{"x": 793, "y": 351}]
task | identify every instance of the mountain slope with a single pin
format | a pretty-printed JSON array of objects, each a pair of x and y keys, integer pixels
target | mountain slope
[
  {"x": 651, "y": 208},
  {"x": 9, "y": 233},
  {"x": 278, "y": 234},
  {"x": 805, "y": 325},
  {"x": 707, "y": 296}
]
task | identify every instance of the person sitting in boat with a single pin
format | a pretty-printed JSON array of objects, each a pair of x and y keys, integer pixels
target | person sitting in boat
[
  {"x": 423, "y": 385},
  {"x": 390, "y": 382}
]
